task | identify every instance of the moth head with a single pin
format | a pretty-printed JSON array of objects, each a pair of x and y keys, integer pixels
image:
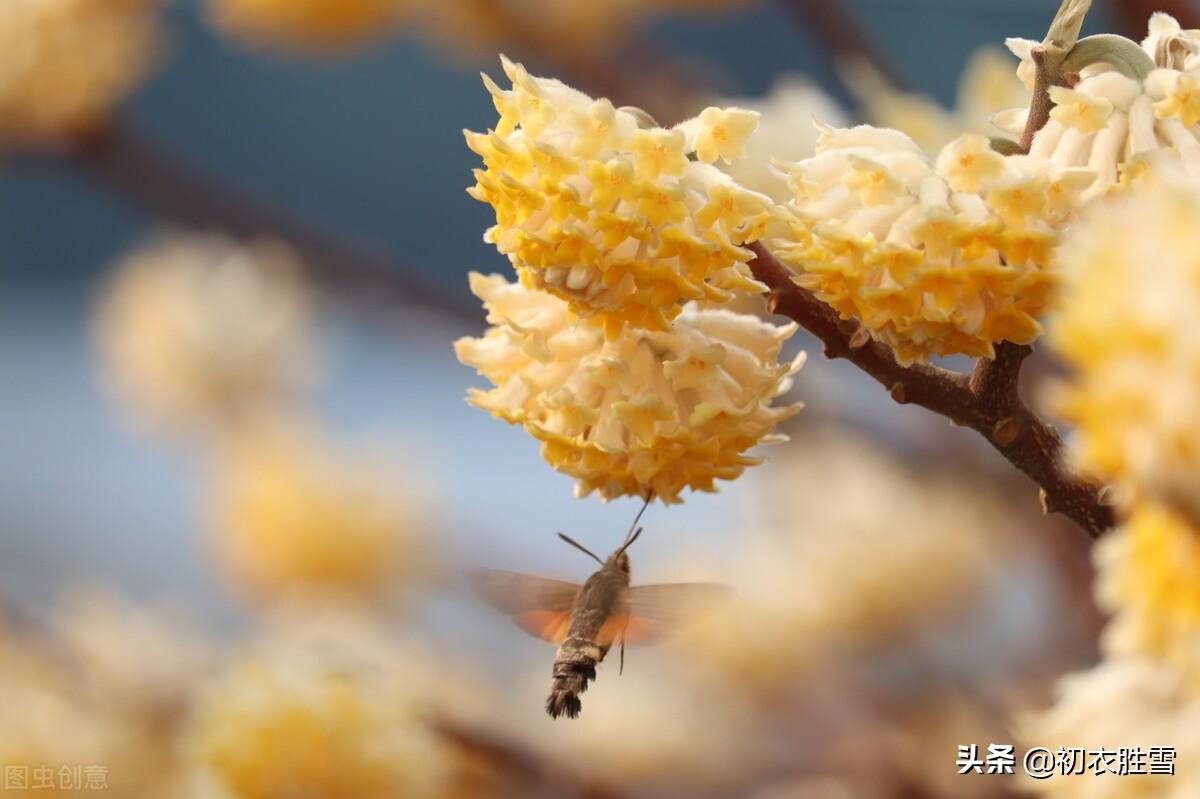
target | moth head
[{"x": 621, "y": 557}]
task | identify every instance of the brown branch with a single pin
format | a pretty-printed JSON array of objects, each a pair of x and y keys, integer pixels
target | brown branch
[
  {"x": 527, "y": 774},
  {"x": 1132, "y": 15},
  {"x": 987, "y": 401},
  {"x": 172, "y": 191}
]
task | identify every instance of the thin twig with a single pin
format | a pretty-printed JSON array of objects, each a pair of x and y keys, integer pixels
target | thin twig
[
  {"x": 173, "y": 191},
  {"x": 987, "y": 401}
]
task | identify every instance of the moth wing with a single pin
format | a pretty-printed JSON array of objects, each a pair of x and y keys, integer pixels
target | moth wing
[
  {"x": 655, "y": 611},
  {"x": 538, "y": 605}
]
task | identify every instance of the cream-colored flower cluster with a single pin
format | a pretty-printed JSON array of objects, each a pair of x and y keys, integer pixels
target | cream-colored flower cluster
[
  {"x": 1116, "y": 125},
  {"x": 68, "y": 62},
  {"x": 651, "y": 410},
  {"x": 616, "y": 227},
  {"x": 1129, "y": 703},
  {"x": 935, "y": 257},
  {"x": 1149, "y": 578},
  {"x": 291, "y": 518},
  {"x": 309, "y": 24},
  {"x": 1133, "y": 278},
  {"x": 1131, "y": 271},
  {"x": 209, "y": 337},
  {"x": 93, "y": 698},
  {"x": 602, "y": 208},
  {"x": 195, "y": 329}
]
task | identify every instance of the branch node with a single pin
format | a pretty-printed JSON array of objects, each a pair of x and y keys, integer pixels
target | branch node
[
  {"x": 773, "y": 303},
  {"x": 899, "y": 393},
  {"x": 1005, "y": 431},
  {"x": 860, "y": 338}
]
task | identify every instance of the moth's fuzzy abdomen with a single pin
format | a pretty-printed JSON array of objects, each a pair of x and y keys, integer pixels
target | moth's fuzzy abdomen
[{"x": 574, "y": 668}]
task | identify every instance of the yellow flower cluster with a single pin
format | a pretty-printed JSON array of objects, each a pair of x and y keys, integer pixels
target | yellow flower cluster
[
  {"x": 68, "y": 62},
  {"x": 937, "y": 257},
  {"x": 600, "y": 207},
  {"x": 1115, "y": 125},
  {"x": 334, "y": 712},
  {"x": 292, "y": 519},
  {"x": 195, "y": 330},
  {"x": 1149, "y": 577},
  {"x": 652, "y": 410},
  {"x": 308, "y": 24},
  {"x": 1131, "y": 271}
]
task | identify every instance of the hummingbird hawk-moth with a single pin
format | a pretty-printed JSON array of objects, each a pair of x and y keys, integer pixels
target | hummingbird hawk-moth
[{"x": 586, "y": 620}]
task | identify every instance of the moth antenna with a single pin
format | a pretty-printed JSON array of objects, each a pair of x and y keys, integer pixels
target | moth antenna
[
  {"x": 629, "y": 536},
  {"x": 630, "y": 540},
  {"x": 580, "y": 547}
]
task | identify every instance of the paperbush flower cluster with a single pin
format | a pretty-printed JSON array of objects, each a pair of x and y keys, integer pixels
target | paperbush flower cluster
[
  {"x": 1131, "y": 270},
  {"x": 613, "y": 230},
  {"x": 652, "y": 410},
  {"x": 605, "y": 210},
  {"x": 935, "y": 256},
  {"x": 318, "y": 710},
  {"x": 68, "y": 62},
  {"x": 292, "y": 518},
  {"x": 196, "y": 330},
  {"x": 1133, "y": 278},
  {"x": 1115, "y": 124}
]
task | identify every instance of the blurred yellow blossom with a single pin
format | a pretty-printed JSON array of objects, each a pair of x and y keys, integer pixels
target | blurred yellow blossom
[
  {"x": 68, "y": 62},
  {"x": 845, "y": 555},
  {"x": 1133, "y": 278},
  {"x": 937, "y": 257},
  {"x": 1149, "y": 578},
  {"x": 987, "y": 87},
  {"x": 599, "y": 207},
  {"x": 293, "y": 518},
  {"x": 94, "y": 697},
  {"x": 199, "y": 330},
  {"x": 1112, "y": 123},
  {"x": 319, "y": 710},
  {"x": 481, "y": 27},
  {"x": 648, "y": 411},
  {"x": 1128, "y": 703},
  {"x": 309, "y": 24}
]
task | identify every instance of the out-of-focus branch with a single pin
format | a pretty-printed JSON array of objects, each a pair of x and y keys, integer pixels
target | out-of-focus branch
[
  {"x": 173, "y": 191},
  {"x": 1132, "y": 15},
  {"x": 840, "y": 31},
  {"x": 987, "y": 401},
  {"x": 528, "y": 773}
]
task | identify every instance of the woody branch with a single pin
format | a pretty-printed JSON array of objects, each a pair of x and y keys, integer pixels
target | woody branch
[{"x": 988, "y": 400}]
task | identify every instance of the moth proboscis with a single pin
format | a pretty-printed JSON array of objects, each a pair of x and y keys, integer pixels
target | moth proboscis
[{"x": 586, "y": 620}]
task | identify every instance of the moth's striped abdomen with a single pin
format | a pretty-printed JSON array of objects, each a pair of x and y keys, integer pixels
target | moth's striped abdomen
[{"x": 574, "y": 668}]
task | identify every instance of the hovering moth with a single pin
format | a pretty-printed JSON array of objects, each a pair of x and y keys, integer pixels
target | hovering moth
[{"x": 586, "y": 620}]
